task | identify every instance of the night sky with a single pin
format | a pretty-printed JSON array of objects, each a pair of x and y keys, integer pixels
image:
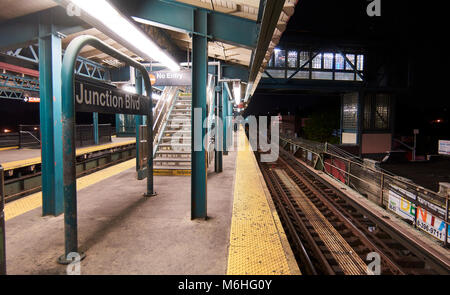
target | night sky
[{"x": 405, "y": 28}]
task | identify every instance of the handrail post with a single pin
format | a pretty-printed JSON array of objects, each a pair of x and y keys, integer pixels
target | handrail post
[{"x": 68, "y": 128}]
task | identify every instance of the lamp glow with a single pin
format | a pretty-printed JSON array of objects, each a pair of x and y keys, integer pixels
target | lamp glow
[{"x": 105, "y": 13}]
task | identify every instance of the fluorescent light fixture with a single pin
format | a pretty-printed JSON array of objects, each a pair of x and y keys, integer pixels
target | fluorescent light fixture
[
  {"x": 102, "y": 11},
  {"x": 237, "y": 92},
  {"x": 129, "y": 88}
]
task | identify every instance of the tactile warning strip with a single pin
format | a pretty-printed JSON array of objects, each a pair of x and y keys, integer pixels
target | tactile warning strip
[
  {"x": 255, "y": 240},
  {"x": 344, "y": 254},
  {"x": 34, "y": 201}
]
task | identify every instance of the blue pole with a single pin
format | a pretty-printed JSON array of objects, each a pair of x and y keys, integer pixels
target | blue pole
[
  {"x": 219, "y": 136},
  {"x": 199, "y": 80},
  {"x": 138, "y": 122},
  {"x": 225, "y": 119},
  {"x": 96, "y": 135},
  {"x": 50, "y": 55}
]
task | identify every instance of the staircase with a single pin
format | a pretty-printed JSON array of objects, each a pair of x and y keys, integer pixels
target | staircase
[{"x": 173, "y": 152}]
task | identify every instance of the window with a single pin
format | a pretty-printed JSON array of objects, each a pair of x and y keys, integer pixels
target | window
[
  {"x": 304, "y": 58},
  {"x": 280, "y": 58},
  {"x": 317, "y": 62},
  {"x": 382, "y": 111},
  {"x": 292, "y": 59},
  {"x": 376, "y": 111},
  {"x": 360, "y": 62},
  {"x": 339, "y": 62},
  {"x": 328, "y": 61},
  {"x": 351, "y": 58},
  {"x": 350, "y": 111}
]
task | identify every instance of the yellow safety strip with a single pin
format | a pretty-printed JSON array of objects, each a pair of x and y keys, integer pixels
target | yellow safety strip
[
  {"x": 34, "y": 201},
  {"x": 9, "y": 148},
  {"x": 256, "y": 246},
  {"x": 80, "y": 151}
]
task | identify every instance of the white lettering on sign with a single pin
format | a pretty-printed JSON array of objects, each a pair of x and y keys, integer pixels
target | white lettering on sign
[
  {"x": 431, "y": 224},
  {"x": 107, "y": 99}
]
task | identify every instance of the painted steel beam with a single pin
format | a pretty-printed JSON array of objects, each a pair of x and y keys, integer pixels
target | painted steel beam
[
  {"x": 95, "y": 123},
  {"x": 218, "y": 158},
  {"x": 24, "y": 30},
  {"x": 50, "y": 57},
  {"x": 138, "y": 123},
  {"x": 225, "y": 115},
  {"x": 235, "y": 72},
  {"x": 199, "y": 84},
  {"x": 179, "y": 16}
]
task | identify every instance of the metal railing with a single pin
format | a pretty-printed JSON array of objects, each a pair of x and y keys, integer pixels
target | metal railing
[
  {"x": 379, "y": 186},
  {"x": 29, "y": 136}
]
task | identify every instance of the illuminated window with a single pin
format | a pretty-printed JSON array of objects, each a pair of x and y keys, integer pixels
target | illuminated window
[
  {"x": 304, "y": 58},
  {"x": 351, "y": 58},
  {"x": 328, "y": 61},
  {"x": 292, "y": 59},
  {"x": 350, "y": 111},
  {"x": 317, "y": 62},
  {"x": 280, "y": 58},
  {"x": 339, "y": 62}
]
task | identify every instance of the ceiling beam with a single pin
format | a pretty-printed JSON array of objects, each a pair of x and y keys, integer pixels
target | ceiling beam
[
  {"x": 24, "y": 30},
  {"x": 179, "y": 16}
]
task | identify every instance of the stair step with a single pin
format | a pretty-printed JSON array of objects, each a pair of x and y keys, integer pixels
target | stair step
[
  {"x": 174, "y": 168},
  {"x": 175, "y": 131},
  {"x": 177, "y": 138},
  {"x": 179, "y": 160}
]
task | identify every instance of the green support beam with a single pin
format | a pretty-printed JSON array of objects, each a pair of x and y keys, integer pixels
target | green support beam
[
  {"x": 225, "y": 119},
  {"x": 218, "y": 159},
  {"x": 50, "y": 56},
  {"x": 24, "y": 30},
  {"x": 220, "y": 26},
  {"x": 199, "y": 81},
  {"x": 95, "y": 123},
  {"x": 138, "y": 122}
]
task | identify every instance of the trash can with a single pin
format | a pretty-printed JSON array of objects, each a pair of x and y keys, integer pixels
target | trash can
[{"x": 2, "y": 224}]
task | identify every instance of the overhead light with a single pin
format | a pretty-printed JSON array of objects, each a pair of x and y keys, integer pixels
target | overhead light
[
  {"x": 237, "y": 92},
  {"x": 103, "y": 12},
  {"x": 129, "y": 88}
]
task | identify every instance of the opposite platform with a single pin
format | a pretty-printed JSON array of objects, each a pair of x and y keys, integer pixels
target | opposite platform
[{"x": 16, "y": 158}]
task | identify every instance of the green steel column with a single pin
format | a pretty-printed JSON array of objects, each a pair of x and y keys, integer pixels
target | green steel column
[
  {"x": 117, "y": 124},
  {"x": 225, "y": 119},
  {"x": 95, "y": 121},
  {"x": 50, "y": 56},
  {"x": 138, "y": 121},
  {"x": 199, "y": 81},
  {"x": 219, "y": 136}
]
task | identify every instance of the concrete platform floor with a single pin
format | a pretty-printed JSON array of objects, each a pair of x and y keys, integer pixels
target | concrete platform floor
[
  {"x": 24, "y": 154},
  {"x": 123, "y": 233}
]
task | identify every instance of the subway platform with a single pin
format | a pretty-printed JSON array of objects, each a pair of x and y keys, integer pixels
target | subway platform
[{"x": 122, "y": 232}]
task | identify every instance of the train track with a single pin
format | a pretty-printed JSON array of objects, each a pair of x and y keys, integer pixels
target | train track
[{"x": 332, "y": 235}]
